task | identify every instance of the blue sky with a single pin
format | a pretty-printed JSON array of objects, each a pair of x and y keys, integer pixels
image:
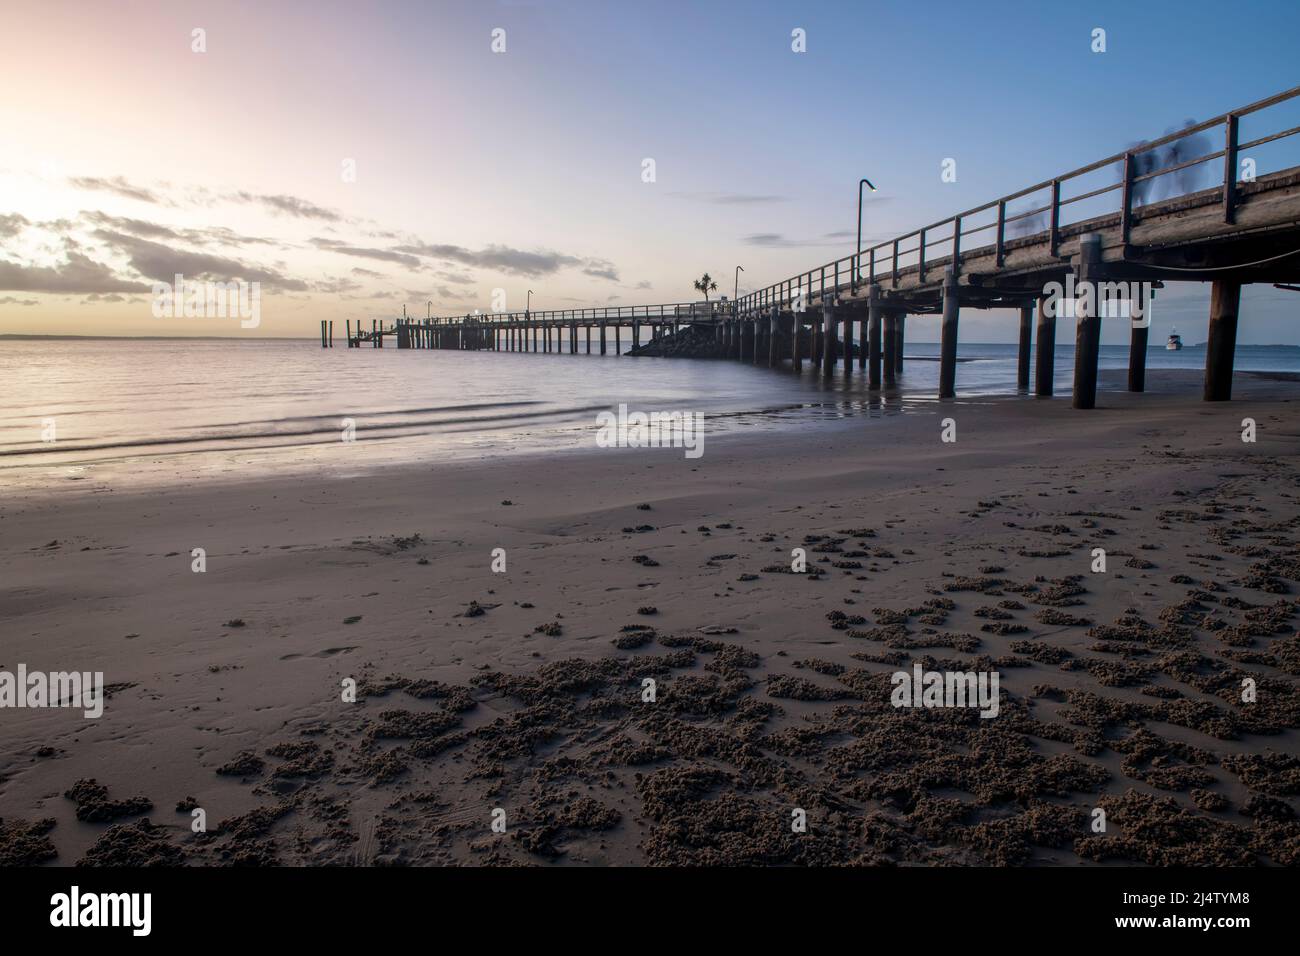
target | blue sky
[{"x": 480, "y": 171}]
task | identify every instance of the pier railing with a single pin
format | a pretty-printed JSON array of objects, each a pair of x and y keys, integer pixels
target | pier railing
[
  {"x": 672, "y": 311},
  {"x": 947, "y": 242}
]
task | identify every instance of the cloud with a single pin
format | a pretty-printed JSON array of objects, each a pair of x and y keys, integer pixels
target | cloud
[
  {"x": 336, "y": 286},
  {"x": 290, "y": 206},
  {"x": 644, "y": 285},
  {"x": 79, "y": 275},
  {"x": 601, "y": 270},
  {"x": 12, "y": 224},
  {"x": 216, "y": 235},
  {"x": 10, "y": 300},
  {"x": 368, "y": 273},
  {"x": 530, "y": 265},
  {"x": 775, "y": 240},
  {"x": 116, "y": 185},
  {"x": 730, "y": 199},
  {"x": 382, "y": 255},
  {"x": 161, "y": 263},
  {"x": 438, "y": 292}
]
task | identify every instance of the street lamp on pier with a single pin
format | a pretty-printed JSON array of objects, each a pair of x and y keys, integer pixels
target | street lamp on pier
[{"x": 857, "y": 250}]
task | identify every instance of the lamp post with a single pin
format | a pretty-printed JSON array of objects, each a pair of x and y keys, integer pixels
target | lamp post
[
  {"x": 857, "y": 250},
  {"x": 528, "y": 304},
  {"x": 735, "y": 292},
  {"x": 428, "y": 310}
]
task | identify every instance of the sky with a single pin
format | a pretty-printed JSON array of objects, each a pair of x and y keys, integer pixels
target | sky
[{"x": 357, "y": 159}]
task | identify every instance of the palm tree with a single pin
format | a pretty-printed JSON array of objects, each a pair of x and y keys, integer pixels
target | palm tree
[{"x": 706, "y": 285}]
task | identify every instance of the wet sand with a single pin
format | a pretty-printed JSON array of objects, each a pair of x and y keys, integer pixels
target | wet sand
[{"x": 523, "y": 690}]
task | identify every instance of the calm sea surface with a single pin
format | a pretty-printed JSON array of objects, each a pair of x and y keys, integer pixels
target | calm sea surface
[{"x": 162, "y": 412}]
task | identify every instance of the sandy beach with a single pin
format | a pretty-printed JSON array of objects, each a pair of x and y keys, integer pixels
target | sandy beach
[{"x": 524, "y": 691}]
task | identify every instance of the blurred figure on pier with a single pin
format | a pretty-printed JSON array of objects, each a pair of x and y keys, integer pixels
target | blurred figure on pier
[{"x": 1184, "y": 150}]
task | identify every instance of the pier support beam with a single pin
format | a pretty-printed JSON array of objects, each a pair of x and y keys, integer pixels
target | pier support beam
[
  {"x": 1026, "y": 340},
  {"x": 890, "y": 343},
  {"x": 1045, "y": 369},
  {"x": 602, "y": 338},
  {"x": 1139, "y": 337},
  {"x": 829, "y": 324},
  {"x": 875, "y": 317},
  {"x": 773, "y": 335},
  {"x": 846, "y": 338},
  {"x": 900, "y": 323},
  {"x": 864, "y": 336},
  {"x": 1221, "y": 344},
  {"x": 948, "y": 337},
  {"x": 1087, "y": 334},
  {"x": 618, "y": 339},
  {"x": 796, "y": 326}
]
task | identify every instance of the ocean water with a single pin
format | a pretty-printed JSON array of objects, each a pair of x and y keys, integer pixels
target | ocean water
[{"x": 160, "y": 412}]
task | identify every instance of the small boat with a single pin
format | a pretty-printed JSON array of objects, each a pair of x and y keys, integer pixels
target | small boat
[{"x": 1175, "y": 341}]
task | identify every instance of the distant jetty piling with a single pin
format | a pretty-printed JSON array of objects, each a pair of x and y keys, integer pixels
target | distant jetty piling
[{"x": 1102, "y": 242}]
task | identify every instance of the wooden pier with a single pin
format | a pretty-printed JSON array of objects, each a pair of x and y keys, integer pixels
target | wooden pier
[
  {"x": 1097, "y": 239},
  {"x": 553, "y": 331}
]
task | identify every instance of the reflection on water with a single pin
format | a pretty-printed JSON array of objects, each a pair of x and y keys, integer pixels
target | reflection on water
[{"x": 165, "y": 411}]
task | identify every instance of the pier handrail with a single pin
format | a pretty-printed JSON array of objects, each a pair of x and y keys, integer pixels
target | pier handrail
[
  {"x": 625, "y": 313},
  {"x": 865, "y": 265}
]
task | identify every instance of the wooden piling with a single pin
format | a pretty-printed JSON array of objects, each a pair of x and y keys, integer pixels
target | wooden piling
[
  {"x": 890, "y": 343},
  {"x": 828, "y": 338},
  {"x": 864, "y": 337},
  {"x": 796, "y": 326},
  {"x": 846, "y": 327},
  {"x": 773, "y": 331},
  {"x": 1138, "y": 342},
  {"x": 1026, "y": 339},
  {"x": 875, "y": 318},
  {"x": 602, "y": 338},
  {"x": 1221, "y": 344},
  {"x": 900, "y": 324},
  {"x": 948, "y": 337},
  {"x": 1045, "y": 368},
  {"x": 1087, "y": 335}
]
